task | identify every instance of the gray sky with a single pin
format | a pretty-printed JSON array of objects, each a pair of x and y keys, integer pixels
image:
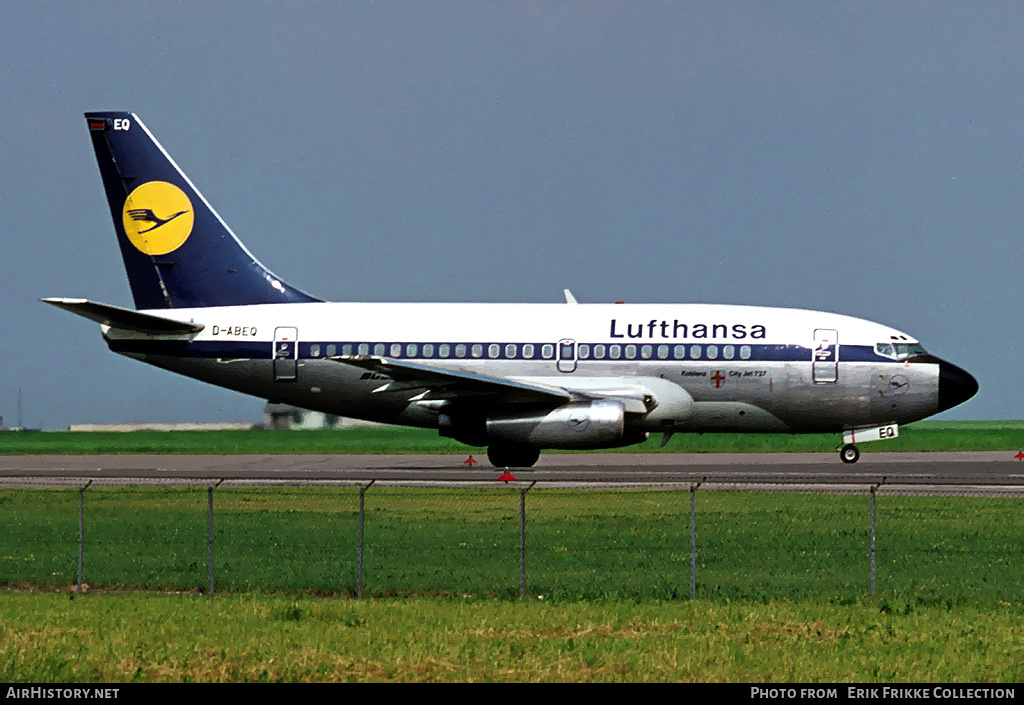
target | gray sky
[{"x": 863, "y": 158}]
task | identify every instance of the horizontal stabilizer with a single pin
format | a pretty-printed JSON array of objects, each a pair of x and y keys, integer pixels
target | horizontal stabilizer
[{"x": 124, "y": 318}]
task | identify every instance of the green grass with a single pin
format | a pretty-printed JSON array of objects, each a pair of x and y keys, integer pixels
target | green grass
[
  {"x": 922, "y": 436},
  {"x": 618, "y": 544},
  {"x": 783, "y": 587},
  {"x": 124, "y": 638},
  {"x": 362, "y": 440}
]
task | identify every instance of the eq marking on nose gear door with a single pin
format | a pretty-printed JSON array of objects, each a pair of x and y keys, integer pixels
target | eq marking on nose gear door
[{"x": 158, "y": 217}]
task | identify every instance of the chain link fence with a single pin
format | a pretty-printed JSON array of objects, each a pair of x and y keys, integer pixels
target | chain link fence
[{"x": 698, "y": 539}]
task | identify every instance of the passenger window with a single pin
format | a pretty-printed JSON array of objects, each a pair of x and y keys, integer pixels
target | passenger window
[
  {"x": 630, "y": 352},
  {"x": 477, "y": 350},
  {"x": 615, "y": 352},
  {"x": 411, "y": 349},
  {"x": 460, "y": 350},
  {"x": 646, "y": 351},
  {"x": 331, "y": 349},
  {"x": 745, "y": 352},
  {"x": 378, "y": 349},
  {"x": 528, "y": 351},
  {"x": 364, "y": 348},
  {"x": 694, "y": 352},
  {"x": 510, "y": 351},
  {"x": 444, "y": 350},
  {"x": 547, "y": 351},
  {"x": 599, "y": 352},
  {"x": 728, "y": 352},
  {"x": 712, "y": 352},
  {"x": 428, "y": 350},
  {"x": 584, "y": 351},
  {"x": 679, "y": 352},
  {"x": 663, "y": 352},
  {"x": 396, "y": 350},
  {"x": 493, "y": 350},
  {"x": 314, "y": 351}
]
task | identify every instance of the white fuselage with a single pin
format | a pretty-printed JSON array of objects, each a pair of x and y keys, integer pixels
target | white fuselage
[{"x": 708, "y": 367}]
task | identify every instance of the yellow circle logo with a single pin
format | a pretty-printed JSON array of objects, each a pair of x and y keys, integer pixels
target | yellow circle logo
[{"x": 158, "y": 217}]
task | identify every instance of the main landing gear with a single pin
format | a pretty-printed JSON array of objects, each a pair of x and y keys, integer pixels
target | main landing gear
[
  {"x": 512, "y": 456},
  {"x": 849, "y": 453}
]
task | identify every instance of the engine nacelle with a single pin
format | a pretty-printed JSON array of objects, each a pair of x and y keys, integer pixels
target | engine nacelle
[
  {"x": 581, "y": 425},
  {"x": 578, "y": 425}
]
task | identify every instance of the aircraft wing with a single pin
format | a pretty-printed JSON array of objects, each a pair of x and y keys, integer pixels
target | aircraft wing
[
  {"x": 440, "y": 383},
  {"x": 443, "y": 383},
  {"x": 124, "y": 318}
]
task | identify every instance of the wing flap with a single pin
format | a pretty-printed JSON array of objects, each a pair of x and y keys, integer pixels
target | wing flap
[{"x": 443, "y": 383}]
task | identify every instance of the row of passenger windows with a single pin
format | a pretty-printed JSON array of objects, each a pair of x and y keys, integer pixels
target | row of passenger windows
[
  {"x": 662, "y": 352},
  {"x": 442, "y": 350},
  {"x": 530, "y": 351}
]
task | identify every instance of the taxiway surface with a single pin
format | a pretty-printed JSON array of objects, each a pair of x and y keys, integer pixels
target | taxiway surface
[{"x": 988, "y": 471}]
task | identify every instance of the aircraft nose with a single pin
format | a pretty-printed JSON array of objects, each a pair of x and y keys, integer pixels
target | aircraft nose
[{"x": 955, "y": 385}]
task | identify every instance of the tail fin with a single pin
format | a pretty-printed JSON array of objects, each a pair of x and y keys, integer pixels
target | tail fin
[{"x": 177, "y": 251}]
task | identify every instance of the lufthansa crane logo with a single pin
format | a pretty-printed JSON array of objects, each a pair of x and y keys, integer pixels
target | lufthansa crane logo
[
  {"x": 157, "y": 217},
  {"x": 898, "y": 384},
  {"x": 578, "y": 422}
]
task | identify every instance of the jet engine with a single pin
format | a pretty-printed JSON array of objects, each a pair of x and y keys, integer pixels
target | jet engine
[{"x": 594, "y": 424}]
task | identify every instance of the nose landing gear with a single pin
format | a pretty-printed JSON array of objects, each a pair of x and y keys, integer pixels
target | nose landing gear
[{"x": 849, "y": 453}]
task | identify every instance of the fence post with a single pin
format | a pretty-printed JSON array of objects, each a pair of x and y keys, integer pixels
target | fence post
[
  {"x": 359, "y": 562},
  {"x": 81, "y": 533},
  {"x": 209, "y": 534},
  {"x": 874, "y": 488},
  {"x": 522, "y": 539},
  {"x": 693, "y": 538}
]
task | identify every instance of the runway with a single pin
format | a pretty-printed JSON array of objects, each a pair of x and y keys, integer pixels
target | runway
[{"x": 953, "y": 473}]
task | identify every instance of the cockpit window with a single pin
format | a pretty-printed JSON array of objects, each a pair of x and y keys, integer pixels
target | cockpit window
[
  {"x": 905, "y": 351},
  {"x": 900, "y": 351}
]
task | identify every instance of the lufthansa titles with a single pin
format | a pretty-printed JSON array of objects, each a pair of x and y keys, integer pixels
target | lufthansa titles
[{"x": 675, "y": 329}]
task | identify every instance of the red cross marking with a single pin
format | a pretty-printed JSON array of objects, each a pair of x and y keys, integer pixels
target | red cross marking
[{"x": 718, "y": 378}]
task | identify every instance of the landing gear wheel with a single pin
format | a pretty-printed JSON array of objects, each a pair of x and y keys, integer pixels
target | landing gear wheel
[
  {"x": 849, "y": 454},
  {"x": 512, "y": 456}
]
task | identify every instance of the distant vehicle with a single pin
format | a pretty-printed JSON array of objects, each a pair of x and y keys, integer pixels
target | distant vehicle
[{"x": 517, "y": 378}]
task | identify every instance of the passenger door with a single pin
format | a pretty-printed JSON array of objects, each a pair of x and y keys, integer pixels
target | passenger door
[
  {"x": 566, "y": 355},
  {"x": 286, "y": 354},
  {"x": 825, "y": 356}
]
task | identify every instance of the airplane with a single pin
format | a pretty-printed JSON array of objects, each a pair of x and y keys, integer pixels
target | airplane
[{"x": 517, "y": 378}]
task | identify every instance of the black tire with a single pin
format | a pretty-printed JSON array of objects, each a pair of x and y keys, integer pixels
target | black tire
[
  {"x": 849, "y": 454},
  {"x": 512, "y": 456}
]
